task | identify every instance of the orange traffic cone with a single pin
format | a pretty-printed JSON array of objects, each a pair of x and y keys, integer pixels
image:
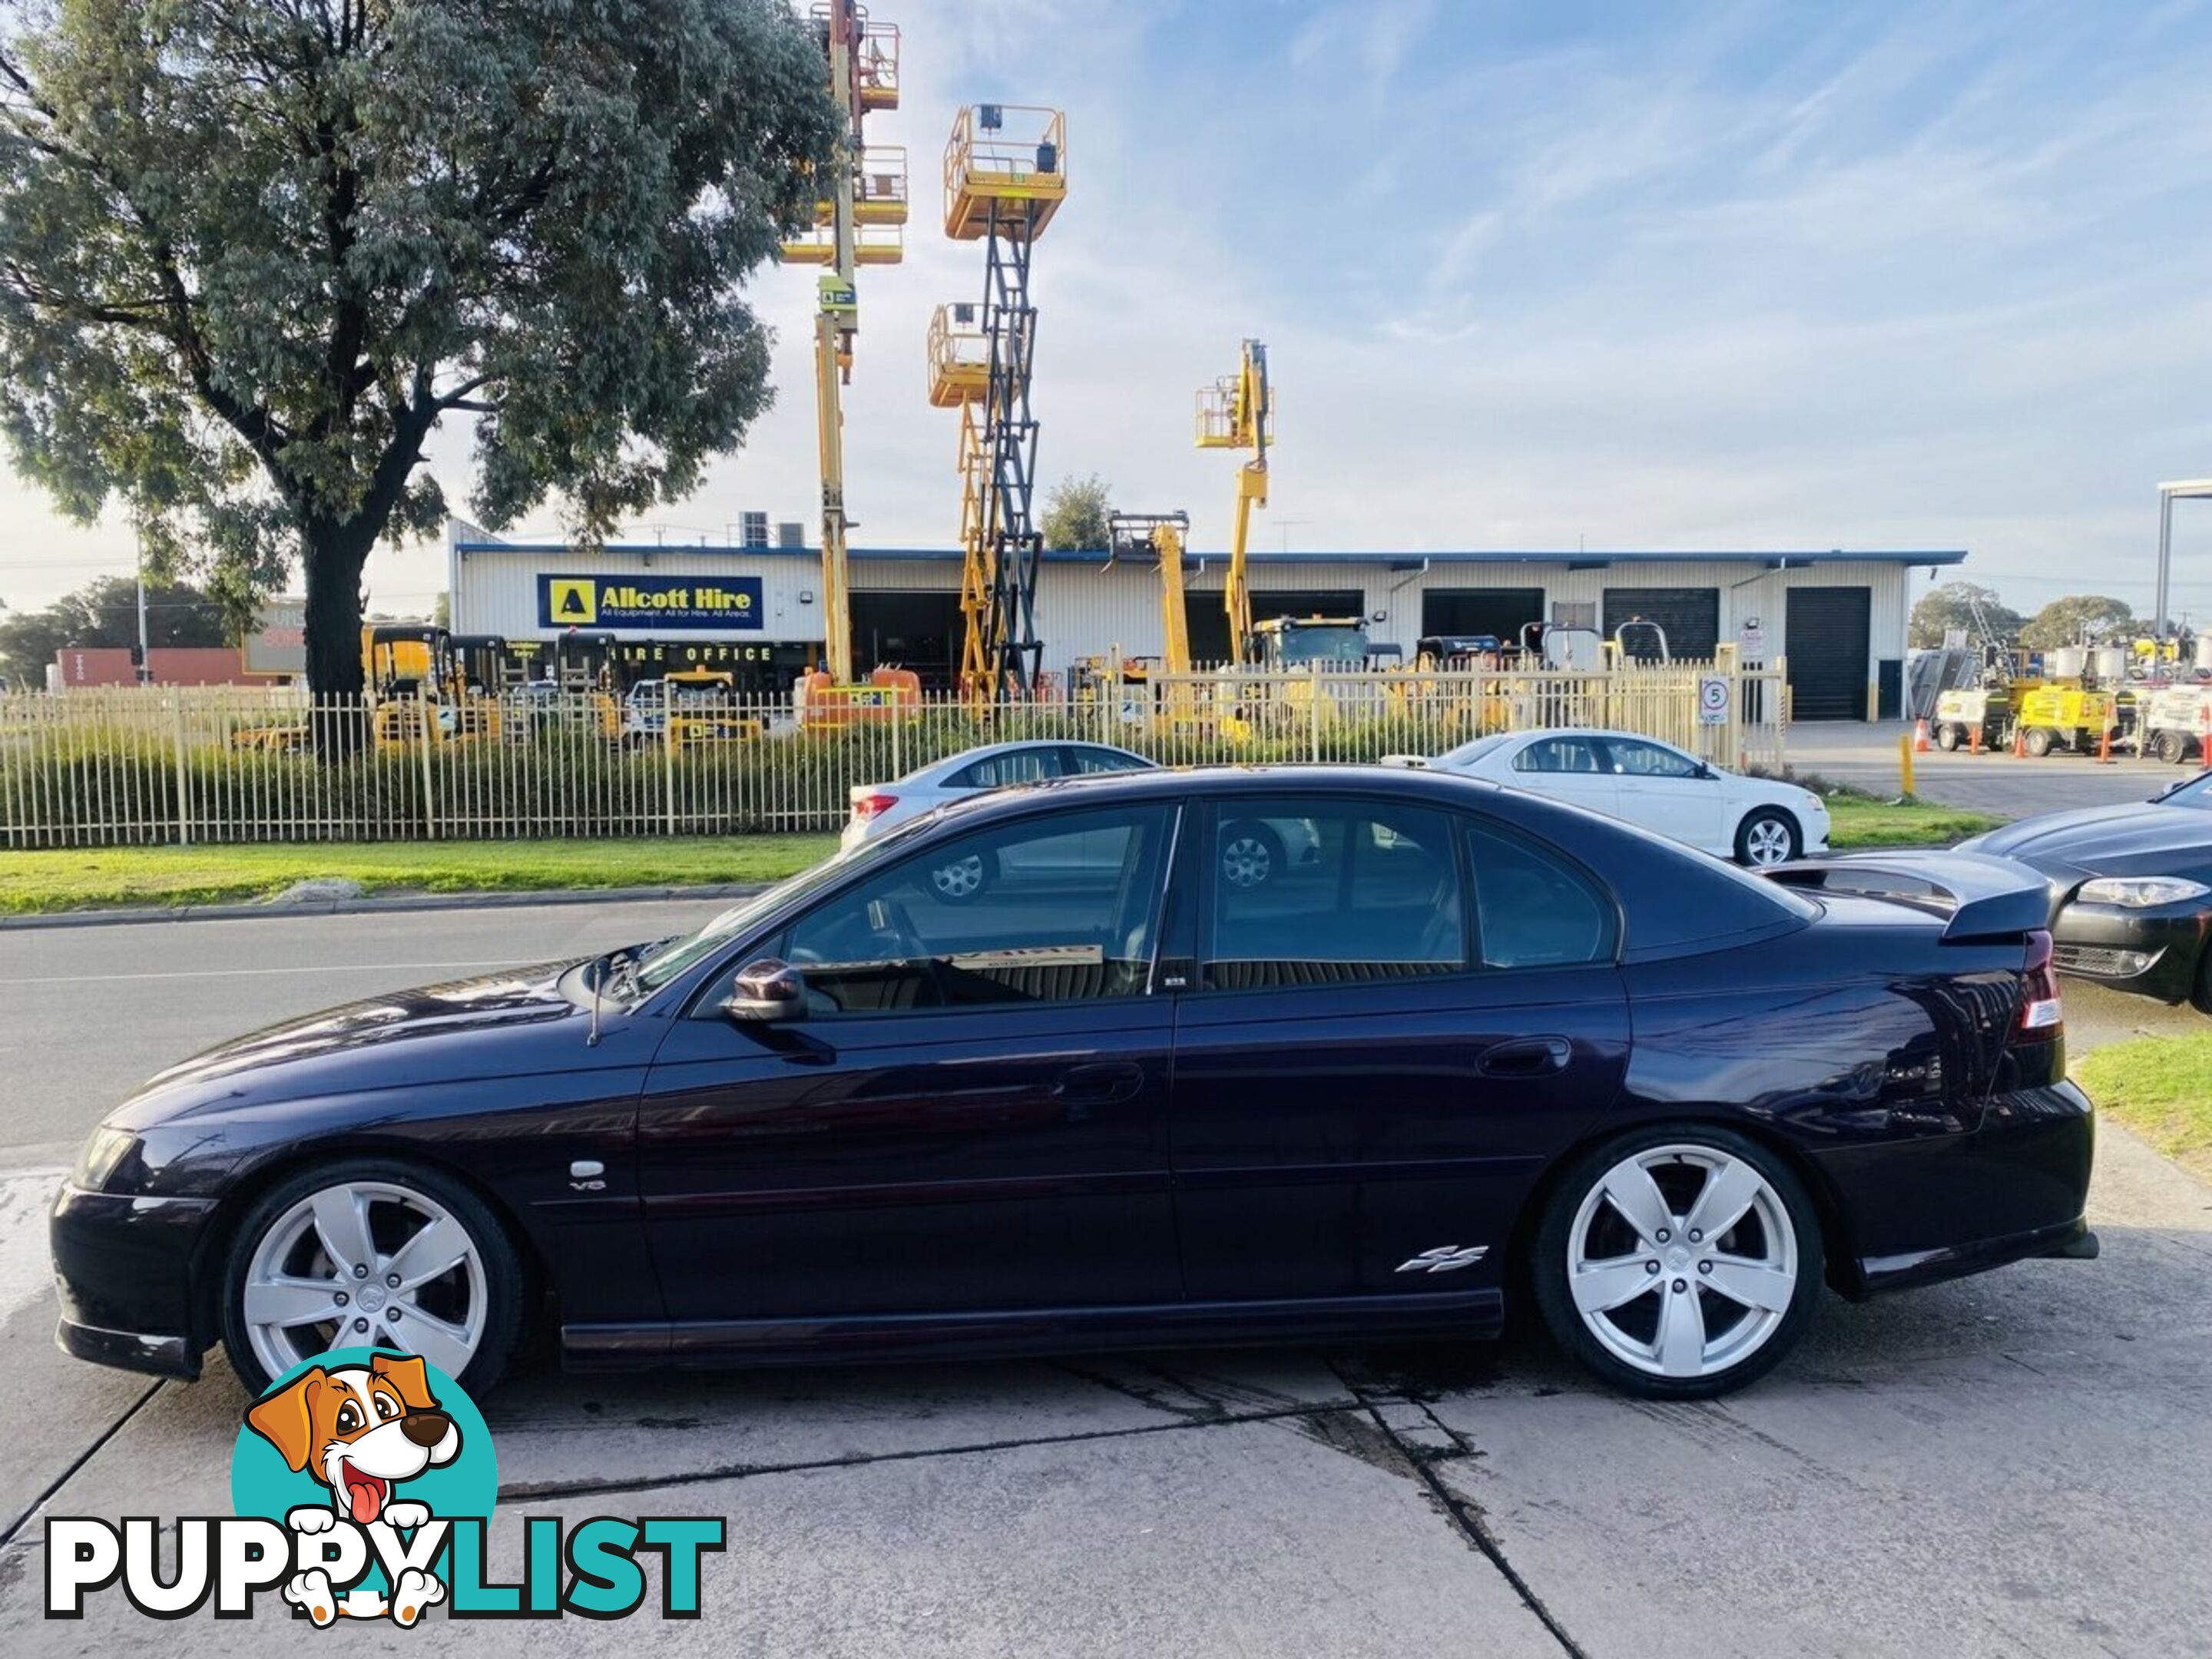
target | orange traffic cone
[{"x": 1920, "y": 737}]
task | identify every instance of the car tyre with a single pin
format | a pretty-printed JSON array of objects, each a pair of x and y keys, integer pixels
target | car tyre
[
  {"x": 1949, "y": 737},
  {"x": 2037, "y": 741},
  {"x": 964, "y": 880},
  {"x": 1767, "y": 837},
  {"x": 484, "y": 1294},
  {"x": 1592, "y": 1264},
  {"x": 1252, "y": 854}
]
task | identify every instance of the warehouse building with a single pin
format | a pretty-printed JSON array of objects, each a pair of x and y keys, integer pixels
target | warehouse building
[{"x": 1839, "y": 617}]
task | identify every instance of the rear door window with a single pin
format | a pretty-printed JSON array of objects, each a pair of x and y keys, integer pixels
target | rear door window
[
  {"x": 1315, "y": 891},
  {"x": 1013, "y": 766},
  {"x": 1571, "y": 754}
]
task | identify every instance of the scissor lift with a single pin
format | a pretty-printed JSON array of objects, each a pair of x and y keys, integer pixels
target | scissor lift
[{"x": 1005, "y": 175}]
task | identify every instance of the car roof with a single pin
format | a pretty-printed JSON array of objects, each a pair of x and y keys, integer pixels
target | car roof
[
  {"x": 937, "y": 768},
  {"x": 1599, "y": 731},
  {"x": 1173, "y": 781}
]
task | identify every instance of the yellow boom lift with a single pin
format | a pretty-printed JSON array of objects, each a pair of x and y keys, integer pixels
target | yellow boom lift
[
  {"x": 1161, "y": 536},
  {"x": 859, "y": 221},
  {"x": 1238, "y": 412}
]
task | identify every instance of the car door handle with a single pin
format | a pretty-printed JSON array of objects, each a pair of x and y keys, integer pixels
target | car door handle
[
  {"x": 1526, "y": 1057},
  {"x": 1099, "y": 1084}
]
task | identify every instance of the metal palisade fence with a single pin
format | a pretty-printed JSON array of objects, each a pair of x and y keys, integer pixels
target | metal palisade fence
[{"x": 150, "y": 765}]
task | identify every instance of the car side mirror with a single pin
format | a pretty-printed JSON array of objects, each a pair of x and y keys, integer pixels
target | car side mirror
[{"x": 768, "y": 990}]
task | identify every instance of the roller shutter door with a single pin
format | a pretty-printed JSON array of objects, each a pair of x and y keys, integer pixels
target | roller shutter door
[
  {"x": 1690, "y": 615},
  {"x": 1825, "y": 640},
  {"x": 1499, "y": 611}
]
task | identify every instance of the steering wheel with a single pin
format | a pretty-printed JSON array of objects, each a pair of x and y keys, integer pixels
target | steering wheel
[{"x": 900, "y": 926}]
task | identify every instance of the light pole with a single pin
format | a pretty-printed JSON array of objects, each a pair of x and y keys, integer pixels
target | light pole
[
  {"x": 145, "y": 663},
  {"x": 2168, "y": 494}
]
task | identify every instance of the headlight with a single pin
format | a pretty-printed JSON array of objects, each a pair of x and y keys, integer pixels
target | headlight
[
  {"x": 100, "y": 1158},
  {"x": 2140, "y": 892}
]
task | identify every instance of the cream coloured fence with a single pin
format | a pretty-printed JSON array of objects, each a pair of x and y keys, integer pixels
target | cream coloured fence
[{"x": 149, "y": 765}]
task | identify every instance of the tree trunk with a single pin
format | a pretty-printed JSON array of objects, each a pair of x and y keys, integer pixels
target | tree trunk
[{"x": 333, "y": 556}]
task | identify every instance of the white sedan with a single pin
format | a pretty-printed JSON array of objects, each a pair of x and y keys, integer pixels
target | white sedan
[
  {"x": 1653, "y": 785},
  {"x": 1253, "y": 852}
]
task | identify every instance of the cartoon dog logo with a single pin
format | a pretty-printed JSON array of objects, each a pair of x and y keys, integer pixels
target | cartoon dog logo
[{"x": 360, "y": 1430}]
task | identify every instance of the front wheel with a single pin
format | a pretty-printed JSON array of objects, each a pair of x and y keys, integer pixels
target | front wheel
[
  {"x": 2037, "y": 741},
  {"x": 1252, "y": 854},
  {"x": 1949, "y": 737},
  {"x": 1768, "y": 836},
  {"x": 371, "y": 1252},
  {"x": 1678, "y": 1263},
  {"x": 963, "y": 880}
]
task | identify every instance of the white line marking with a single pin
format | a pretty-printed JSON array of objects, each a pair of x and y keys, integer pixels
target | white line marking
[{"x": 231, "y": 973}]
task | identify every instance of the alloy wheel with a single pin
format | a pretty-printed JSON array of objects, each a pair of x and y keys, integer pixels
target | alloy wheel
[
  {"x": 1682, "y": 1260},
  {"x": 960, "y": 880},
  {"x": 1246, "y": 861},
  {"x": 365, "y": 1263},
  {"x": 1766, "y": 840}
]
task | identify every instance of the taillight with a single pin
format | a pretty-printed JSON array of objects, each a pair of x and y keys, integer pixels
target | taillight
[
  {"x": 2040, "y": 1015},
  {"x": 869, "y": 806}
]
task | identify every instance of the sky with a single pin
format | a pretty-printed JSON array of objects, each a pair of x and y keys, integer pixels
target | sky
[{"x": 1536, "y": 276}]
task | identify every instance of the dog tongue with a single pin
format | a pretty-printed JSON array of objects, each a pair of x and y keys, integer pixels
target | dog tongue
[{"x": 367, "y": 1496}]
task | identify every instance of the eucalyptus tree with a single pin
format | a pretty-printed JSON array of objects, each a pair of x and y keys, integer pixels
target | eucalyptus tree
[{"x": 253, "y": 252}]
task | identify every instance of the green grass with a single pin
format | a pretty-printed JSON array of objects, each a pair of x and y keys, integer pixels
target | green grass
[
  {"x": 2161, "y": 1088},
  {"x": 1858, "y": 821},
  {"x": 36, "y": 882}
]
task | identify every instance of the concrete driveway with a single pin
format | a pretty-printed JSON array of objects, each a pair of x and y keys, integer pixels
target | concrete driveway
[
  {"x": 1866, "y": 755},
  {"x": 2014, "y": 1464}
]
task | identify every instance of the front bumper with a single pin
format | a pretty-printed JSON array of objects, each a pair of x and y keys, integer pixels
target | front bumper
[
  {"x": 128, "y": 1271},
  {"x": 2153, "y": 951}
]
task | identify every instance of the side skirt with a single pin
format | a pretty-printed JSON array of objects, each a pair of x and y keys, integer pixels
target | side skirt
[{"x": 881, "y": 1337}]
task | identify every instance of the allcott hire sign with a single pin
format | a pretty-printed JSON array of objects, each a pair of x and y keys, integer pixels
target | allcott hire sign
[{"x": 656, "y": 602}]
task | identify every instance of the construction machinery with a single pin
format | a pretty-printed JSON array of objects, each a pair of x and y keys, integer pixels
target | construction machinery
[
  {"x": 1006, "y": 176},
  {"x": 1238, "y": 412},
  {"x": 860, "y": 219},
  {"x": 1160, "y": 537}
]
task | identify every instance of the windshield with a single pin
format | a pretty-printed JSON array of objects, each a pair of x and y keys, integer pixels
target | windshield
[
  {"x": 1324, "y": 645},
  {"x": 667, "y": 960}
]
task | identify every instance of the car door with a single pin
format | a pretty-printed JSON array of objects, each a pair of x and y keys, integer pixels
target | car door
[
  {"x": 1366, "y": 1080},
  {"x": 970, "y": 1115},
  {"x": 1568, "y": 765},
  {"x": 1665, "y": 790}
]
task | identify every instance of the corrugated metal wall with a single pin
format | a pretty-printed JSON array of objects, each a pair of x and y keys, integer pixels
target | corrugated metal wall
[{"x": 1084, "y": 609}]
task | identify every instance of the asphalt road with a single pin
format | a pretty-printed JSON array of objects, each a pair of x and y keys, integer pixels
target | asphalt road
[{"x": 2014, "y": 1464}]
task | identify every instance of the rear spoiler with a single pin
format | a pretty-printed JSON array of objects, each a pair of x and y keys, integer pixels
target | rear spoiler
[{"x": 1981, "y": 897}]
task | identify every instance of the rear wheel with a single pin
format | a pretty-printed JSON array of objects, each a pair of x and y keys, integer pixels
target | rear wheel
[
  {"x": 1768, "y": 835},
  {"x": 1678, "y": 1262},
  {"x": 1948, "y": 736},
  {"x": 2037, "y": 740},
  {"x": 371, "y": 1252}
]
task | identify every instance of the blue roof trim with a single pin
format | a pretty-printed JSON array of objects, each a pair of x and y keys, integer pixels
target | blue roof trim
[{"x": 1595, "y": 558}]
